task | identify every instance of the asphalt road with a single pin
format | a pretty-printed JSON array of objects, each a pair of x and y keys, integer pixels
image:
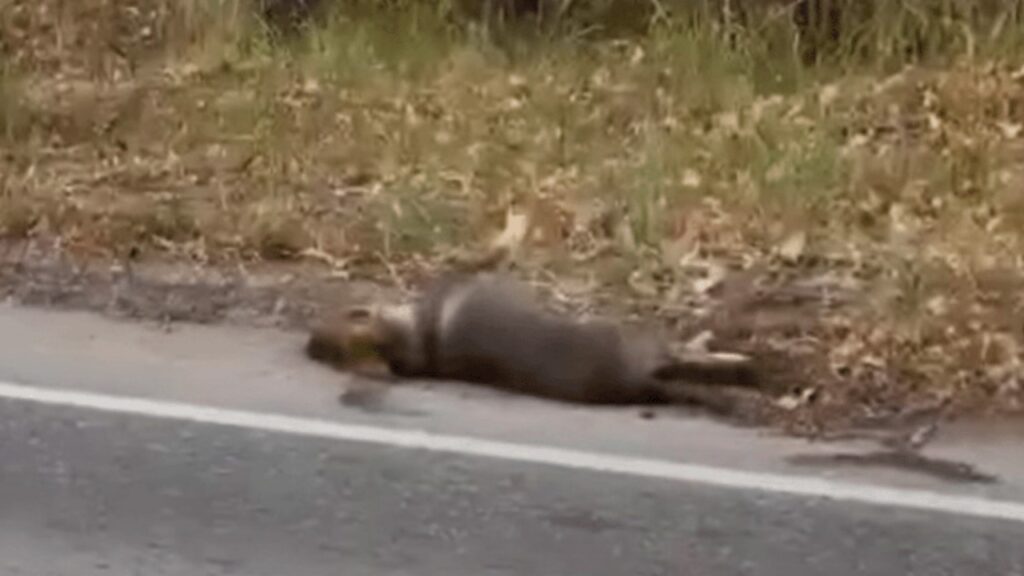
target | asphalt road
[
  {"x": 88, "y": 493},
  {"x": 84, "y": 491}
]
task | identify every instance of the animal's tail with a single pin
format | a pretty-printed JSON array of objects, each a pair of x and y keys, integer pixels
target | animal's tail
[
  {"x": 712, "y": 399},
  {"x": 710, "y": 368},
  {"x": 700, "y": 380}
]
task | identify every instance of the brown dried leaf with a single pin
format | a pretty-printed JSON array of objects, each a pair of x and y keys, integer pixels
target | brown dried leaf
[
  {"x": 512, "y": 237},
  {"x": 716, "y": 273},
  {"x": 792, "y": 248},
  {"x": 691, "y": 179},
  {"x": 797, "y": 399},
  {"x": 642, "y": 284}
]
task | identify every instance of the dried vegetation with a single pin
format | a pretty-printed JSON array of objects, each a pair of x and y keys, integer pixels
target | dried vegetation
[{"x": 849, "y": 205}]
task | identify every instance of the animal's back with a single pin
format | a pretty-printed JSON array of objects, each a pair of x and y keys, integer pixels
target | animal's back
[
  {"x": 496, "y": 333},
  {"x": 488, "y": 331}
]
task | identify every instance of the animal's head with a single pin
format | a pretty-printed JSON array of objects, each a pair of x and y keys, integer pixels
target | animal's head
[
  {"x": 347, "y": 339},
  {"x": 382, "y": 333}
]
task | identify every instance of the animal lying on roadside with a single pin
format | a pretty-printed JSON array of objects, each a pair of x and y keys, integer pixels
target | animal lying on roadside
[{"x": 487, "y": 329}]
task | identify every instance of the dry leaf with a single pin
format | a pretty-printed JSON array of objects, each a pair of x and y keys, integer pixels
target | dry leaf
[
  {"x": 699, "y": 343},
  {"x": 691, "y": 178},
  {"x": 1010, "y": 130},
  {"x": 715, "y": 275},
  {"x": 642, "y": 284},
  {"x": 775, "y": 173},
  {"x": 626, "y": 237},
  {"x": 637, "y": 57},
  {"x": 828, "y": 95},
  {"x": 798, "y": 399},
  {"x": 729, "y": 121},
  {"x": 793, "y": 247},
  {"x": 674, "y": 252},
  {"x": 511, "y": 238},
  {"x": 938, "y": 306}
]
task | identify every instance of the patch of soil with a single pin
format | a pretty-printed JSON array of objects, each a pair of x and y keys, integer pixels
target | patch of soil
[{"x": 280, "y": 295}]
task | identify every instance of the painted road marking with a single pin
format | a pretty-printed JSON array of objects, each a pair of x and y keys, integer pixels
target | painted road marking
[{"x": 559, "y": 457}]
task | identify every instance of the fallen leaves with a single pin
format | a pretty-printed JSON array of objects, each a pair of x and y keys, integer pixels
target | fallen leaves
[
  {"x": 656, "y": 182},
  {"x": 792, "y": 248}
]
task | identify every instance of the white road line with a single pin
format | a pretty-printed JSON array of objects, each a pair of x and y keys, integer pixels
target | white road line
[{"x": 561, "y": 457}]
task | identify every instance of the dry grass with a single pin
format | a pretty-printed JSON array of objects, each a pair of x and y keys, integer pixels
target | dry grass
[{"x": 184, "y": 128}]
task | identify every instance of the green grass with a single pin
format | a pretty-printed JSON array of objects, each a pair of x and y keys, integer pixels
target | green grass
[{"x": 12, "y": 112}]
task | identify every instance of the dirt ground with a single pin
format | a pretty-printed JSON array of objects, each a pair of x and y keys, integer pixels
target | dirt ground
[{"x": 778, "y": 320}]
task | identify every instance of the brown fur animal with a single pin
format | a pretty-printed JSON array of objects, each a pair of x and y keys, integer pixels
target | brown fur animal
[{"x": 487, "y": 329}]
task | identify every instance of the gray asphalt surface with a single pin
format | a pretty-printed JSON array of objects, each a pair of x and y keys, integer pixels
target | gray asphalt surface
[
  {"x": 265, "y": 371},
  {"x": 94, "y": 493},
  {"x": 85, "y": 492}
]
